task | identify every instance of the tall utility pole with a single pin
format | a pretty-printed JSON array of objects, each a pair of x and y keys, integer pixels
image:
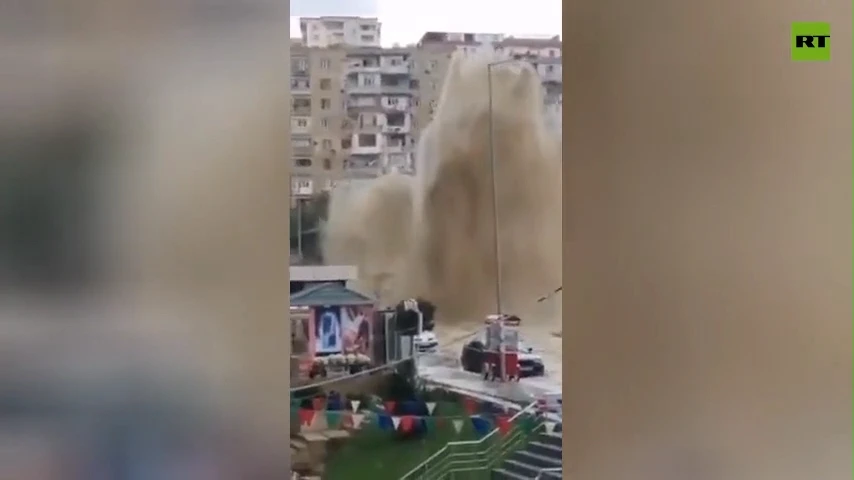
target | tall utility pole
[
  {"x": 501, "y": 346},
  {"x": 494, "y": 173}
]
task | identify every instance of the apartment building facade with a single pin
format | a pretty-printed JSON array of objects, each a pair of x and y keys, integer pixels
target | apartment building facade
[
  {"x": 379, "y": 89},
  {"x": 356, "y": 111},
  {"x": 325, "y": 32},
  {"x": 317, "y": 118}
]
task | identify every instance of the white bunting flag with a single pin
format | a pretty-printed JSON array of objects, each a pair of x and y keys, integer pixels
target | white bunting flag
[
  {"x": 458, "y": 425},
  {"x": 396, "y": 421},
  {"x": 357, "y": 419},
  {"x": 550, "y": 427},
  {"x": 354, "y": 404},
  {"x": 430, "y": 407}
]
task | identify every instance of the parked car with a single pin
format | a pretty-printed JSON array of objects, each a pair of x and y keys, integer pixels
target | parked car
[
  {"x": 530, "y": 363},
  {"x": 426, "y": 342}
]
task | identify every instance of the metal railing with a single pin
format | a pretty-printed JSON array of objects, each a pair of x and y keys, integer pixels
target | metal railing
[
  {"x": 474, "y": 455},
  {"x": 545, "y": 470}
]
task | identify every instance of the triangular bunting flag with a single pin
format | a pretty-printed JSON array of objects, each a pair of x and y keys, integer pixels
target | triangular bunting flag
[
  {"x": 306, "y": 415},
  {"x": 396, "y": 422},
  {"x": 385, "y": 422},
  {"x": 480, "y": 424},
  {"x": 550, "y": 427},
  {"x": 503, "y": 423},
  {"x": 431, "y": 406},
  {"x": 357, "y": 419},
  {"x": 430, "y": 423},
  {"x": 317, "y": 403},
  {"x": 470, "y": 405},
  {"x": 354, "y": 405},
  {"x": 332, "y": 419},
  {"x": 406, "y": 423},
  {"x": 389, "y": 407},
  {"x": 458, "y": 425}
]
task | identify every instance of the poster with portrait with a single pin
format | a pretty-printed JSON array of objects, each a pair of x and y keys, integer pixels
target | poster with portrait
[
  {"x": 358, "y": 329},
  {"x": 327, "y": 330}
]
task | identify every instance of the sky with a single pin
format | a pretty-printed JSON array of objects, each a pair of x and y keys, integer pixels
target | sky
[{"x": 404, "y": 21}]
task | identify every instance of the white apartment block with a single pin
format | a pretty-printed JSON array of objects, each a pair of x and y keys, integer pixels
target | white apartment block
[
  {"x": 357, "y": 108},
  {"x": 543, "y": 52},
  {"x": 324, "y": 32},
  {"x": 379, "y": 88}
]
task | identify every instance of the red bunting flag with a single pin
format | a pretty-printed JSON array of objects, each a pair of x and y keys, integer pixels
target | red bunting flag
[
  {"x": 503, "y": 422},
  {"x": 317, "y": 403},
  {"x": 470, "y": 405},
  {"x": 306, "y": 415},
  {"x": 406, "y": 423},
  {"x": 389, "y": 407}
]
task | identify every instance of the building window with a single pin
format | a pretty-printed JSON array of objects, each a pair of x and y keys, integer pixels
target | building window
[
  {"x": 302, "y": 162},
  {"x": 367, "y": 81},
  {"x": 324, "y": 123},
  {"x": 325, "y": 83},
  {"x": 301, "y": 123},
  {"x": 327, "y": 144},
  {"x": 299, "y": 65},
  {"x": 367, "y": 38},
  {"x": 346, "y": 143},
  {"x": 327, "y": 164},
  {"x": 325, "y": 104},
  {"x": 367, "y": 140},
  {"x": 366, "y": 28},
  {"x": 325, "y": 63},
  {"x": 434, "y": 64}
]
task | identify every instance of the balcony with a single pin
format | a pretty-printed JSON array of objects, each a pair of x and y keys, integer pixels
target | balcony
[
  {"x": 398, "y": 69},
  {"x": 363, "y": 167},
  {"x": 394, "y": 148},
  {"x": 365, "y": 150},
  {"x": 302, "y": 146},
  {"x": 404, "y": 128},
  {"x": 361, "y": 105},
  {"x": 363, "y": 67},
  {"x": 300, "y": 88},
  {"x": 395, "y": 89},
  {"x": 357, "y": 89}
]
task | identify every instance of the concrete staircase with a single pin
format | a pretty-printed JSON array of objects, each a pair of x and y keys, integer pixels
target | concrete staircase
[{"x": 543, "y": 451}]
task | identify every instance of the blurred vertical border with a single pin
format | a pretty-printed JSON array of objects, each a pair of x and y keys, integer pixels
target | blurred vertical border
[{"x": 144, "y": 187}]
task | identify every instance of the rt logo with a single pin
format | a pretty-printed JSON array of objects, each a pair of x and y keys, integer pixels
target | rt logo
[{"x": 811, "y": 42}]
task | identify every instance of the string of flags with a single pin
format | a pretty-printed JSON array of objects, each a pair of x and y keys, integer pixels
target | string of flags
[
  {"x": 470, "y": 406},
  {"x": 385, "y": 418}
]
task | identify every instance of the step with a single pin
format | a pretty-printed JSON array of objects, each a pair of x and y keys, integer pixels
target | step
[
  {"x": 544, "y": 449},
  {"x": 550, "y": 438},
  {"x": 551, "y": 475},
  {"x": 536, "y": 460},
  {"x": 502, "y": 474},
  {"x": 523, "y": 469}
]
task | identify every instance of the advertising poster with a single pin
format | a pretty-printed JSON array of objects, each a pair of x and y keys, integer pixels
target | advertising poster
[
  {"x": 327, "y": 330},
  {"x": 358, "y": 331}
]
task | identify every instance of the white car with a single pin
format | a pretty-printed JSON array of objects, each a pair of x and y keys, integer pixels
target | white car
[{"x": 426, "y": 342}]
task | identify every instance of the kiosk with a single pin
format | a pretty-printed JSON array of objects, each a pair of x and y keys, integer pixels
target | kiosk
[{"x": 501, "y": 351}]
